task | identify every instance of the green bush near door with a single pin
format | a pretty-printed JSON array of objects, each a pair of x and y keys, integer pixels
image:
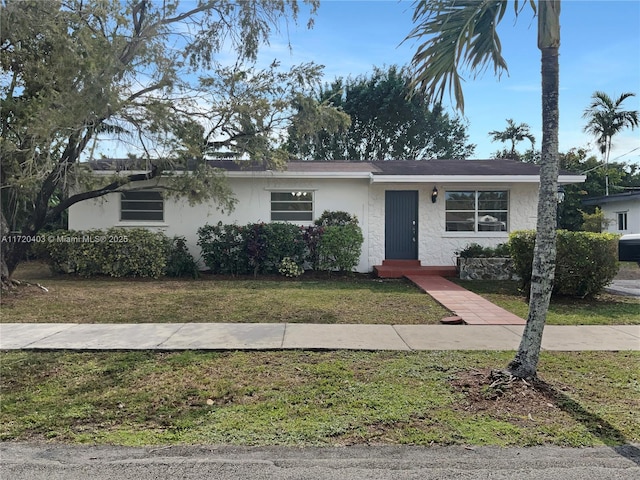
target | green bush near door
[{"x": 585, "y": 262}]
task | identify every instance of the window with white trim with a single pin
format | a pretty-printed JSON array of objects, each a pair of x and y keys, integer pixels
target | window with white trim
[
  {"x": 477, "y": 211},
  {"x": 144, "y": 206},
  {"x": 294, "y": 206},
  {"x": 622, "y": 221}
]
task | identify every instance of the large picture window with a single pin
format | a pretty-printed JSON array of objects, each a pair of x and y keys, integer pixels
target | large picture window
[
  {"x": 477, "y": 211},
  {"x": 294, "y": 206},
  {"x": 146, "y": 206}
]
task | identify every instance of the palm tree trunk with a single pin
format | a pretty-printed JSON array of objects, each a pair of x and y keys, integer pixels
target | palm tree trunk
[
  {"x": 606, "y": 166},
  {"x": 525, "y": 363}
]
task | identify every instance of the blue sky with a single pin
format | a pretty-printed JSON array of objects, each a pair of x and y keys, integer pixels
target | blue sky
[{"x": 600, "y": 50}]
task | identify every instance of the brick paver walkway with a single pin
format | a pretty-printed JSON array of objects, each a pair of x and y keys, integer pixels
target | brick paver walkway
[{"x": 472, "y": 308}]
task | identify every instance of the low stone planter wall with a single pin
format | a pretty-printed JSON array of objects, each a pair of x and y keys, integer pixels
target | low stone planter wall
[{"x": 487, "y": 269}]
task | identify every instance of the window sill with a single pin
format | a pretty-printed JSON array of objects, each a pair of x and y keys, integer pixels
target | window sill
[
  {"x": 475, "y": 234},
  {"x": 140, "y": 223}
]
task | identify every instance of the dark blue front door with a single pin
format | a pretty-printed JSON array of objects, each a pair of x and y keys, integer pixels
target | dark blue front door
[{"x": 401, "y": 224}]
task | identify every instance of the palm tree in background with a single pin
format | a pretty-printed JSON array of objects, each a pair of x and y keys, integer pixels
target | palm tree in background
[
  {"x": 514, "y": 134},
  {"x": 605, "y": 119},
  {"x": 462, "y": 34}
]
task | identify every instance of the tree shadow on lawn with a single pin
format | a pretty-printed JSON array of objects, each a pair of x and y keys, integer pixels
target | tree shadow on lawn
[
  {"x": 596, "y": 425},
  {"x": 502, "y": 396}
]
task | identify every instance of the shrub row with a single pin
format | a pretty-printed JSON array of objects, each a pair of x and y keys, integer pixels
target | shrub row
[
  {"x": 117, "y": 252},
  {"x": 261, "y": 248},
  {"x": 585, "y": 262},
  {"x": 334, "y": 243},
  {"x": 254, "y": 248},
  {"x": 474, "y": 250}
]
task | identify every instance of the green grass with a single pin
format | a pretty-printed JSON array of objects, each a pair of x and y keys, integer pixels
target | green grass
[
  {"x": 604, "y": 309},
  {"x": 210, "y": 299},
  {"x": 313, "y": 398},
  {"x": 357, "y": 299}
]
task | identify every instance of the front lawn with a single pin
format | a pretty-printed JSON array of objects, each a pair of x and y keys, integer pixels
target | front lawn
[
  {"x": 316, "y": 398},
  {"x": 355, "y": 299},
  {"x": 604, "y": 309}
]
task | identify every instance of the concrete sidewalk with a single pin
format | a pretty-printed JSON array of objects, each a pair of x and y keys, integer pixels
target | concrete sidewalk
[{"x": 279, "y": 336}]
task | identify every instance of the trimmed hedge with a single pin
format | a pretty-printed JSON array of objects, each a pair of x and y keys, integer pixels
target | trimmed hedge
[
  {"x": 474, "y": 250},
  {"x": 117, "y": 252},
  {"x": 261, "y": 248},
  {"x": 223, "y": 248},
  {"x": 254, "y": 248},
  {"x": 585, "y": 262},
  {"x": 180, "y": 262},
  {"x": 336, "y": 219},
  {"x": 340, "y": 248},
  {"x": 284, "y": 241}
]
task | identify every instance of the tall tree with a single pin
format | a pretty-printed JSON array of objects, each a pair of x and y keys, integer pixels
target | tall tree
[
  {"x": 514, "y": 134},
  {"x": 387, "y": 123},
  {"x": 606, "y": 119},
  {"x": 463, "y": 33},
  {"x": 79, "y": 74}
]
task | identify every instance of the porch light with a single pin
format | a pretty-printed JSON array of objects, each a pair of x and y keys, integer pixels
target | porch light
[
  {"x": 434, "y": 195},
  {"x": 561, "y": 194}
]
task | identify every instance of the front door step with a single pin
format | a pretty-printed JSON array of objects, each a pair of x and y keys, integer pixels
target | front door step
[{"x": 402, "y": 268}]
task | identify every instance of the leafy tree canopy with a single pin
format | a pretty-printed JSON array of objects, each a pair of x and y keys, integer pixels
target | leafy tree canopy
[
  {"x": 389, "y": 121},
  {"x": 621, "y": 176},
  {"x": 81, "y": 74}
]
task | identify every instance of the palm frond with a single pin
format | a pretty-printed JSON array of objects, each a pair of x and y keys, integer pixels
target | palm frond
[{"x": 460, "y": 34}]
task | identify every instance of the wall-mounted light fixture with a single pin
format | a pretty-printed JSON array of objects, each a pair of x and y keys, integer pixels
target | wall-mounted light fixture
[
  {"x": 561, "y": 194},
  {"x": 434, "y": 195}
]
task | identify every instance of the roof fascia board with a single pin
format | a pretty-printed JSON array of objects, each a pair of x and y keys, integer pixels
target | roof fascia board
[
  {"x": 564, "y": 179},
  {"x": 285, "y": 174},
  {"x": 606, "y": 200},
  {"x": 250, "y": 174}
]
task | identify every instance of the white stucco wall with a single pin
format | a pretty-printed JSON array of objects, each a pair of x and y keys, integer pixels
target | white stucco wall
[
  {"x": 631, "y": 208},
  {"x": 356, "y": 196},
  {"x": 436, "y": 246},
  {"x": 254, "y": 205}
]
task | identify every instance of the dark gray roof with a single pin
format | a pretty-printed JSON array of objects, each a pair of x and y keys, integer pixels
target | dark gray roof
[
  {"x": 616, "y": 197},
  {"x": 457, "y": 167},
  {"x": 402, "y": 167},
  {"x": 492, "y": 168}
]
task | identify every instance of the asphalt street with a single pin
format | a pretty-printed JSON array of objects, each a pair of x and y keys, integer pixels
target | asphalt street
[{"x": 56, "y": 462}]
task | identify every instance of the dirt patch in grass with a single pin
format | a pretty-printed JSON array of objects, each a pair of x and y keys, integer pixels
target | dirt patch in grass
[
  {"x": 21, "y": 293},
  {"x": 518, "y": 401},
  {"x": 548, "y": 407}
]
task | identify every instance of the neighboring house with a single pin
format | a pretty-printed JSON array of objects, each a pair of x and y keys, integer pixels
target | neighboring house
[
  {"x": 621, "y": 210},
  {"x": 425, "y": 210}
]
